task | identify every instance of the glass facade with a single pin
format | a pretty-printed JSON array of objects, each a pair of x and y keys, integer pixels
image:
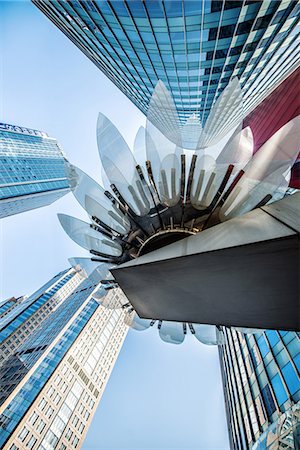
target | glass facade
[
  {"x": 30, "y": 305},
  {"x": 262, "y": 388},
  {"x": 32, "y": 168},
  {"x": 194, "y": 47},
  {"x": 27, "y": 313},
  {"x": 20, "y": 403},
  {"x": 52, "y": 383}
]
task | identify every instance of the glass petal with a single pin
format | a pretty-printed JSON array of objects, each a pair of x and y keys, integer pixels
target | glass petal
[
  {"x": 247, "y": 195},
  {"x": 267, "y": 171},
  {"x": 120, "y": 166},
  {"x": 112, "y": 299},
  {"x": 225, "y": 115},
  {"x": 139, "y": 147},
  {"x": 172, "y": 332},
  {"x": 191, "y": 132},
  {"x": 208, "y": 334},
  {"x": 88, "y": 238},
  {"x": 203, "y": 184},
  {"x": 132, "y": 320},
  {"x": 162, "y": 114},
  {"x": 163, "y": 136},
  {"x": 169, "y": 180},
  {"x": 136, "y": 194},
  {"x": 85, "y": 265},
  {"x": 98, "y": 204},
  {"x": 100, "y": 294},
  {"x": 82, "y": 184},
  {"x": 238, "y": 150},
  {"x": 248, "y": 330},
  {"x": 113, "y": 218},
  {"x": 281, "y": 149}
]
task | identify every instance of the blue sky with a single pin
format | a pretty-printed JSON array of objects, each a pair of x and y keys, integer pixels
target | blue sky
[{"x": 159, "y": 397}]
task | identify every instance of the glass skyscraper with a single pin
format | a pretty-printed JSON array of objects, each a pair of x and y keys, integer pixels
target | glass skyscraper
[
  {"x": 55, "y": 373},
  {"x": 27, "y": 314},
  {"x": 32, "y": 169},
  {"x": 262, "y": 389},
  {"x": 194, "y": 47}
]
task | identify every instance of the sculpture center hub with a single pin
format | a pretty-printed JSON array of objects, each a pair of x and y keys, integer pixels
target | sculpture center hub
[{"x": 163, "y": 238}]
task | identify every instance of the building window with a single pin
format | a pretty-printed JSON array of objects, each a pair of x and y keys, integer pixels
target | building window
[
  {"x": 279, "y": 389},
  {"x": 41, "y": 426},
  {"x": 69, "y": 434},
  {"x": 75, "y": 441},
  {"x": 31, "y": 442},
  {"x": 33, "y": 418},
  {"x": 13, "y": 447},
  {"x": 23, "y": 434},
  {"x": 268, "y": 400},
  {"x": 291, "y": 378},
  {"x": 50, "y": 391},
  {"x": 42, "y": 404},
  {"x": 50, "y": 411}
]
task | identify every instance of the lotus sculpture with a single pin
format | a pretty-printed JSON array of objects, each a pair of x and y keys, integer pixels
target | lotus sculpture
[{"x": 178, "y": 181}]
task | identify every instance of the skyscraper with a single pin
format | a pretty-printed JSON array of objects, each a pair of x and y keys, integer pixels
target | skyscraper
[
  {"x": 53, "y": 381},
  {"x": 32, "y": 167},
  {"x": 262, "y": 389},
  {"x": 28, "y": 313},
  {"x": 194, "y": 47}
]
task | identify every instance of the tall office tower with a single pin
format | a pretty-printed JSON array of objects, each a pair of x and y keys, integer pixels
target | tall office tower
[
  {"x": 262, "y": 389},
  {"x": 8, "y": 305},
  {"x": 32, "y": 168},
  {"x": 194, "y": 47},
  {"x": 27, "y": 314},
  {"x": 52, "y": 384}
]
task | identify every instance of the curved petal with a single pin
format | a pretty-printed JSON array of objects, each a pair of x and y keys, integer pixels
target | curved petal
[
  {"x": 135, "y": 194},
  {"x": 238, "y": 150},
  {"x": 112, "y": 300},
  {"x": 280, "y": 150},
  {"x": 172, "y": 332},
  {"x": 163, "y": 136},
  {"x": 85, "y": 265},
  {"x": 120, "y": 166},
  {"x": 113, "y": 218},
  {"x": 191, "y": 132},
  {"x": 169, "y": 180},
  {"x": 112, "y": 145},
  {"x": 208, "y": 334},
  {"x": 266, "y": 172},
  {"x": 132, "y": 320},
  {"x": 100, "y": 294},
  {"x": 82, "y": 184},
  {"x": 139, "y": 147},
  {"x": 247, "y": 195},
  {"x": 98, "y": 204},
  {"x": 248, "y": 330},
  {"x": 88, "y": 238},
  {"x": 162, "y": 114},
  {"x": 203, "y": 184},
  {"x": 225, "y": 115}
]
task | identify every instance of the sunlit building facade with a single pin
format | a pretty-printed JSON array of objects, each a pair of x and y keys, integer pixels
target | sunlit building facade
[
  {"x": 52, "y": 383},
  {"x": 27, "y": 313},
  {"x": 262, "y": 389},
  {"x": 32, "y": 168},
  {"x": 8, "y": 305},
  {"x": 194, "y": 47}
]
